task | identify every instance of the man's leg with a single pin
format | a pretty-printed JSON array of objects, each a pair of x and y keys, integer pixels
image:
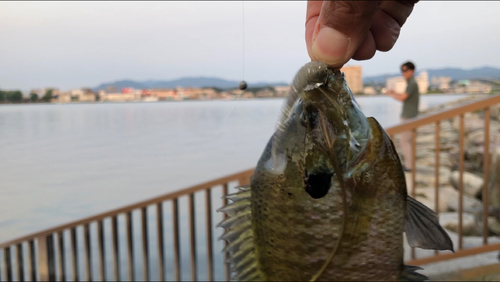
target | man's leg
[{"x": 405, "y": 144}]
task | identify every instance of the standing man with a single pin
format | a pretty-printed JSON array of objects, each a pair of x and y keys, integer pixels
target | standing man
[{"x": 410, "y": 101}]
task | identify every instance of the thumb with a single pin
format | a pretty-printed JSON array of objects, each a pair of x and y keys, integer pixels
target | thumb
[{"x": 341, "y": 28}]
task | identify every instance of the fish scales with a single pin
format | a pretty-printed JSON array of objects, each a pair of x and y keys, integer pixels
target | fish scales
[{"x": 328, "y": 198}]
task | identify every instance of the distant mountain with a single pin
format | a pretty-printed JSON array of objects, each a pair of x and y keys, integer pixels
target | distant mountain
[
  {"x": 454, "y": 73},
  {"x": 184, "y": 82}
]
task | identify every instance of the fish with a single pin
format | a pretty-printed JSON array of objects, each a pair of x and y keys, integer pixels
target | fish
[{"x": 328, "y": 198}]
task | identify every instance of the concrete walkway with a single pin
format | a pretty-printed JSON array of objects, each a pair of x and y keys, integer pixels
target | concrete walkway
[{"x": 453, "y": 266}]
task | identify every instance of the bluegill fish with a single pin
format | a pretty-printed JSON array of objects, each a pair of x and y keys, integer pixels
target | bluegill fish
[{"x": 328, "y": 198}]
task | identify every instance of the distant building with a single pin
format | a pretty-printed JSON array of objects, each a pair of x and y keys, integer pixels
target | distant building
[
  {"x": 265, "y": 93},
  {"x": 422, "y": 80},
  {"x": 281, "y": 91},
  {"x": 471, "y": 86},
  {"x": 398, "y": 83},
  {"x": 76, "y": 92},
  {"x": 369, "y": 90},
  {"x": 440, "y": 82},
  {"x": 38, "y": 92},
  {"x": 248, "y": 95},
  {"x": 55, "y": 91},
  {"x": 162, "y": 94},
  {"x": 62, "y": 97},
  {"x": 121, "y": 97},
  {"x": 353, "y": 78},
  {"x": 87, "y": 97}
]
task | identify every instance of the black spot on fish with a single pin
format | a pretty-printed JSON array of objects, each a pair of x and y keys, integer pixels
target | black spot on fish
[
  {"x": 310, "y": 116},
  {"x": 318, "y": 184}
]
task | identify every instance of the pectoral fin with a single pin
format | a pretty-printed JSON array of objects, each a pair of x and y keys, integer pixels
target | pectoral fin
[{"x": 423, "y": 229}]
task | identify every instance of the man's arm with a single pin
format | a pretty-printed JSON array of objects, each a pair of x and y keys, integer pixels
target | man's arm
[{"x": 400, "y": 97}]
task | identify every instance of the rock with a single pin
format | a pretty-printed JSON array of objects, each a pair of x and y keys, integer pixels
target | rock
[
  {"x": 427, "y": 197},
  {"x": 470, "y": 204},
  {"x": 494, "y": 180},
  {"x": 428, "y": 203},
  {"x": 475, "y": 138},
  {"x": 449, "y": 220},
  {"x": 425, "y": 139},
  {"x": 448, "y": 200},
  {"x": 426, "y": 175},
  {"x": 495, "y": 112},
  {"x": 445, "y": 159},
  {"x": 472, "y": 183},
  {"x": 493, "y": 225},
  {"x": 472, "y": 122}
]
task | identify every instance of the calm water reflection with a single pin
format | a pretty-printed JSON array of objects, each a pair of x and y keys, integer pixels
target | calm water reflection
[{"x": 63, "y": 162}]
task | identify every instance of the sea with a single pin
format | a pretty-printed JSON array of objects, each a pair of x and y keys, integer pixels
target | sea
[{"x": 63, "y": 162}]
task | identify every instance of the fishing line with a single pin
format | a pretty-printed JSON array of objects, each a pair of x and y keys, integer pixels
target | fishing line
[
  {"x": 243, "y": 39},
  {"x": 340, "y": 179},
  {"x": 243, "y": 84}
]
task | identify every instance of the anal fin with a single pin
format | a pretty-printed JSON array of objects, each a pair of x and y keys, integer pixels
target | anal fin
[{"x": 422, "y": 228}]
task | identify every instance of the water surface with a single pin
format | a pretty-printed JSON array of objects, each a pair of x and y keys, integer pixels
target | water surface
[{"x": 61, "y": 162}]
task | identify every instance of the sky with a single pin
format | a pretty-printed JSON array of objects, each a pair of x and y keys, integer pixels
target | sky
[{"x": 83, "y": 44}]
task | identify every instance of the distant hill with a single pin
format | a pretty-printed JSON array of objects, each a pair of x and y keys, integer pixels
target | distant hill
[
  {"x": 184, "y": 82},
  {"x": 487, "y": 73},
  {"x": 454, "y": 73}
]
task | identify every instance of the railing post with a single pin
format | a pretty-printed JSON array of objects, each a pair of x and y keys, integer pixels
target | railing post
[
  {"x": 461, "y": 179},
  {"x": 32, "y": 262},
  {"x": 7, "y": 264},
  {"x": 20, "y": 262},
  {"x": 43, "y": 264},
  {"x": 486, "y": 170}
]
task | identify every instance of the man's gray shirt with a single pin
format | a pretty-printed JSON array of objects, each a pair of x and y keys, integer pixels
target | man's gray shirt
[{"x": 410, "y": 105}]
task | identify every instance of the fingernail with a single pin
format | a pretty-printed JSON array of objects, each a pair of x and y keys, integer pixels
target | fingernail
[{"x": 330, "y": 46}]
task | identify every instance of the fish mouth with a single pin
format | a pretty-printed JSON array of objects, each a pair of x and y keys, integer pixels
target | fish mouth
[
  {"x": 317, "y": 184},
  {"x": 334, "y": 119}
]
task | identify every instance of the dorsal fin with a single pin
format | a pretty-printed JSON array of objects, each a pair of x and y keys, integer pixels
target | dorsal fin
[
  {"x": 422, "y": 228},
  {"x": 239, "y": 236}
]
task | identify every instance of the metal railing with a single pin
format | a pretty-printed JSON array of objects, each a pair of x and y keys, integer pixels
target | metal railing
[
  {"x": 104, "y": 247},
  {"x": 436, "y": 119},
  {"x": 108, "y": 246}
]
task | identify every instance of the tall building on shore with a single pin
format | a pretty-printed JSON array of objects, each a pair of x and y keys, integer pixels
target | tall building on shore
[
  {"x": 354, "y": 78},
  {"x": 398, "y": 83}
]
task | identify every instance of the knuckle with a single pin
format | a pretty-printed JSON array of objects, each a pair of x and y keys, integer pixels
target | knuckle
[
  {"x": 346, "y": 15},
  {"x": 399, "y": 10}
]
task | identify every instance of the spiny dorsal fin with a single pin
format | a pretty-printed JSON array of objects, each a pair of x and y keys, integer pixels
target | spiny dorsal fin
[
  {"x": 239, "y": 236},
  {"x": 423, "y": 229}
]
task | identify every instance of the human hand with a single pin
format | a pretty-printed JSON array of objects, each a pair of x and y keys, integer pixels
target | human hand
[
  {"x": 337, "y": 31},
  {"x": 389, "y": 92}
]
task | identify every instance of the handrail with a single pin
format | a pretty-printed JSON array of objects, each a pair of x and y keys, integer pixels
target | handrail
[
  {"x": 436, "y": 118},
  {"x": 236, "y": 176},
  {"x": 445, "y": 114}
]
